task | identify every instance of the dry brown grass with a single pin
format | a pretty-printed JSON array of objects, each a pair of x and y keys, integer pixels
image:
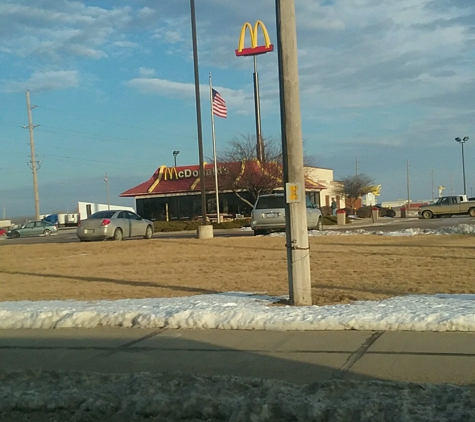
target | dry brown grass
[{"x": 344, "y": 268}]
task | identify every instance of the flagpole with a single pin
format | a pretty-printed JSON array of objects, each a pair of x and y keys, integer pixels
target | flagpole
[{"x": 214, "y": 150}]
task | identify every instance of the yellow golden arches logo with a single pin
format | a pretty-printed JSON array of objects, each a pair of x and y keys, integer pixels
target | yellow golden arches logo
[
  {"x": 254, "y": 49},
  {"x": 166, "y": 173},
  {"x": 169, "y": 172}
]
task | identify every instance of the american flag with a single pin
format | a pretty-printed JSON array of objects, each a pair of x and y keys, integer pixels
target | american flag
[{"x": 219, "y": 105}]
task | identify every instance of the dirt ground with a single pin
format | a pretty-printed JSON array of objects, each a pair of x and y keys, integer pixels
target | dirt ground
[{"x": 344, "y": 268}]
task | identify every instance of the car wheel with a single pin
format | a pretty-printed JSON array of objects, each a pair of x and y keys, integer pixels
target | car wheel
[
  {"x": 15, "y": 235},
  {"x": 148, "y": 232},
  {"x": 259, "y": 232},
  {"x": 46, "y": 232},
  {"x": 471, "y": 212},
  {"x": 427, "y": 214},
  {"x": 118, "y": 235}
]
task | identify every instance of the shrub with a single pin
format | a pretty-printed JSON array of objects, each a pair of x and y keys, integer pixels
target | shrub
[
  {"x": 192, "y": 225},
  {"x": 364, "y": 212},
  {"x": 326, "y": 211},
  {"x": 329, "y": 220},
  {"x": 244, "y": 222},
  {"x": 228, "y": 225},
  {"x": 169, "y": 226},
  {"x": 387, "y": 212},
  {"x": 174, "y": 226}
]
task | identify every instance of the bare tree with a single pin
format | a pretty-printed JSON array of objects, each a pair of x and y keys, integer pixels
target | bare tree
[
  {"x": 244, "y": 148},
  {"x": 247, "y": 173},
  {"x": 353, "y": 187}
]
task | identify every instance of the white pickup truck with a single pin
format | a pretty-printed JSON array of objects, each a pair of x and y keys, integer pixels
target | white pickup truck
[{"x": 448, "y": 206}]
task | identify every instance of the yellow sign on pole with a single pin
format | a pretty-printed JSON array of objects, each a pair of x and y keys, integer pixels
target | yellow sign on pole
[{"x": 293, "y": 192}]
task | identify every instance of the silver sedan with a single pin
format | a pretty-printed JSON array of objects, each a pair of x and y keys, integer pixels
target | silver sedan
[{"x": 114, "y": 224}]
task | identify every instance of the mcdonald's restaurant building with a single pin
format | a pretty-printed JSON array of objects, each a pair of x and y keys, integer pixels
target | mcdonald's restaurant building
[{"x": 174, "y": 193}]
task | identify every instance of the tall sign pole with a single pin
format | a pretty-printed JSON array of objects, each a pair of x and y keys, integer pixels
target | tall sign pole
[
  {"x": 198, "y": 111},
  {"x": 298, "y": 255},
  {"x": 257, "y": 109},
  {"x": 29, "y": 107},
  {"x": 255, "y": 50}
]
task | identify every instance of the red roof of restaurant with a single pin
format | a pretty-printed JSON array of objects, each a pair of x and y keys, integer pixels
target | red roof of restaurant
[{"x": 185, "y": 179}]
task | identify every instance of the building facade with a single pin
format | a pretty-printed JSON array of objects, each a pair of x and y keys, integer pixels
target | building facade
[{"x": 174, "y": 193}]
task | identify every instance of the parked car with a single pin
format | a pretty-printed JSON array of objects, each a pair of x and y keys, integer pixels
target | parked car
[
  {"x": 114, "y": 224},
  {"x": 268, "y": 214},
  {"x": 33, "y": 228}
]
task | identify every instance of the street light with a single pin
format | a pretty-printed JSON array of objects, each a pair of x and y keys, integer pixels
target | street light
[
  {"x": 462, "y": 141},
  {"x": 175, "y": 153},
  {"x": 106, "y": 179}
]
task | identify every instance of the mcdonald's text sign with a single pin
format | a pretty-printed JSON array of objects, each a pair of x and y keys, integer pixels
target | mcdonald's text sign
[{"x": 254, "y": 49}]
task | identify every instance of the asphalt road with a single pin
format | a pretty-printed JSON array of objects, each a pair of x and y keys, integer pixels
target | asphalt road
[{"x": 68, "y": 235}]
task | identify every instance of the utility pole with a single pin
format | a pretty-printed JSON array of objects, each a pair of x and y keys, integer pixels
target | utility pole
[
  {"x": 106, "y": 179},
  {"x": 432, "y": 185},
  {"x": 298, "y": 254},
  {"x": 356, "y": 166},
  {"x": 407, "y": 177},
  {"x": 33, "y": 156}
]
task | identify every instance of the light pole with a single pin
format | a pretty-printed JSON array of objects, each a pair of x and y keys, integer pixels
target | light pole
[
  {"x": 106, "y": 179},
  {"x": 198, "y": 111},
  {"x": 462, "y": 141},
  {"x": 175, "y": 153}
]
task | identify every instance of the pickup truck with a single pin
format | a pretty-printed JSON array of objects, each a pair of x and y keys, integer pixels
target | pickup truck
[{"x": 448, "y": 206}]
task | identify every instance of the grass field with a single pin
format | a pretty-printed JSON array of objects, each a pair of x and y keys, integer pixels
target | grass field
[{"x": 344, "y": 268}]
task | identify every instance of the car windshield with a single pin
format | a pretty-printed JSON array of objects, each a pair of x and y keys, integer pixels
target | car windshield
[
  {"x": 265, "y": 202},
  {"x": 103, "y": 214}
]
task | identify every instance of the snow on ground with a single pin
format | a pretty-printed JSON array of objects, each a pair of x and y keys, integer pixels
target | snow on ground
[
  {"x": 246, "y": 311},
  {"x": 240, "y": 310},
  {"x": 457, "y": 229},
  {"x": 52, "y": 396}
]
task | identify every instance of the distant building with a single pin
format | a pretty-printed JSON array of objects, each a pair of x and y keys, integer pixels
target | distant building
[
  {"x": 174, "y": 193},
  {"x": 324, "y": 177}
]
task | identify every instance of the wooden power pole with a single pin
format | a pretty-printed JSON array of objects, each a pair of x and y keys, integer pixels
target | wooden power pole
[
  {"x": 298, "y": 256},
  {"x": 33, "y": 156}
]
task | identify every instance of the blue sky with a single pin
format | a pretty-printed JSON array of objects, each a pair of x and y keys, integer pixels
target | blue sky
[{"x": 383, "y": 83}]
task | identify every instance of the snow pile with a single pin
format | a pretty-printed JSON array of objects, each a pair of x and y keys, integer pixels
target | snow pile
[
  {"x": 77, "y": 396},
  {"x": 245, "y": 311},
  {"x": 456, "y": 229}
]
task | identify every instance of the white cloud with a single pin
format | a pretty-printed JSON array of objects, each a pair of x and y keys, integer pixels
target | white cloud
[
  {"x": 238, "y": 100},
  {"x": 146, "y": 72},
  {"x": 173, "y": 36},
  {"x": 57, "y": 30},
  {"x": 44, "y": 81},
  {"x": 125, "y": 44}
]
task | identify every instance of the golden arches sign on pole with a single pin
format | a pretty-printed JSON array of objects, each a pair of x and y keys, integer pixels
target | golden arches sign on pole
[{"x": 254, "y": 49}]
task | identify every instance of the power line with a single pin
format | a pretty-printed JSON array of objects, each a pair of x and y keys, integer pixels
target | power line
[
  {"x": 105, "y": 121},
  {"x": 91, "y": 136},
  {"x": 117, "y": 124}
]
